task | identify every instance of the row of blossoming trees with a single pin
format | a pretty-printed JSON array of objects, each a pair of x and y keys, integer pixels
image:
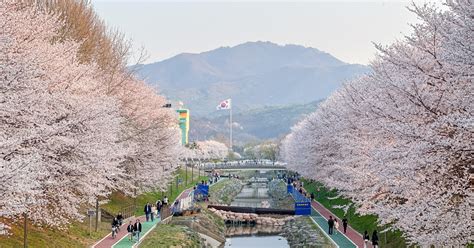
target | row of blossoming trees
[
  {"x": 206, "y": 150},
  {"x": 75, "y": 125},
  {"x": 399, "y": 141}
]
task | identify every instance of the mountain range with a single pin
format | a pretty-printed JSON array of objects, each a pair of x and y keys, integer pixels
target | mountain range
[{"x": 258, "y": 76}]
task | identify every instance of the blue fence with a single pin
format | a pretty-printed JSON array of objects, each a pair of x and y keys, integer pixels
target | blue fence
[
  {"x": 302, "y": 203},
  {"x": 201, "y": 192}
]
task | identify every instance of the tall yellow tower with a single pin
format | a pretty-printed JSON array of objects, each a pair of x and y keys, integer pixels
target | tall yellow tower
[{"x": 184, "y": 124}]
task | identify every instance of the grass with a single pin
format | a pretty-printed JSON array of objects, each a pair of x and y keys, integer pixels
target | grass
[
  {"x": 168, "y": 235},
  {"x": 328, "y": 198},
  {"x": 77, "y": 234}
]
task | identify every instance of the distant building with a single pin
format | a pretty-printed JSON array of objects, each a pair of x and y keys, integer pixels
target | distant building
[{"x": 184, "y": 124}]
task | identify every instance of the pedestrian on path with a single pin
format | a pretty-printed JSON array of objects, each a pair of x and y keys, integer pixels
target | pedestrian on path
[
  {"x": 147, "y": 210},
  {"x": 336, "y": 226},
  {"x": 165, "y": 200},
  {"x": 366, "y": 238},
  {"x": 375, "y": 239},
  {"x": 120, "y": 219},
  {"x": 137, "y": 228},
  {"x": 130, "y": 231},
  {"x": 331, "y": 225},
  {"x": 344, "y": 224},
  {"x": 312, "y": 196},
  {"x": 158, "y": 207},
  {"x": 152, "y": 213}
]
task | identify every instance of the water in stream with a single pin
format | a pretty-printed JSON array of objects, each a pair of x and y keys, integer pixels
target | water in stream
[
  {"x": 273, "y": 241},
  {"x": 253, "y": 195}
]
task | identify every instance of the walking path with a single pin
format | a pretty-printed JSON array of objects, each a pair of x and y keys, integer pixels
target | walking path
[
  {"x": 350, "y": 239},
  {"x": 122, "y": 241},
  {"x": 337, "y": 237},
  {"x": 125, "y": 242}
]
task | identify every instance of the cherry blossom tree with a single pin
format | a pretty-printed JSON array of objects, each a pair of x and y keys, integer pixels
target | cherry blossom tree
[
  {"x": 399, "y": 140},
  {"x": 152, "y": 134},
  {"x": 206, "y": 150},
  {"x": 72, "y": 132},
  {"x": 59, "y": 133}
]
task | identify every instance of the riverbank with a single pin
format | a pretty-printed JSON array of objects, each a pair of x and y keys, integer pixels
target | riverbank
[
  {"x": 170, "y": 235},
  {"x": 225, "y": 191},
  {"x": 302, "y": 232}
]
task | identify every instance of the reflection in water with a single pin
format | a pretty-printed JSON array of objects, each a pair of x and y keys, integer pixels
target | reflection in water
[
  {"x": 252, "y": 230},
  {"x": 256, "y": 242}
]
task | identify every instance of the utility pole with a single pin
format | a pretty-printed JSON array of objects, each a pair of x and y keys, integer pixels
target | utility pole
[
  {"x": 186, "y": 173},
  {"x": 96, "y": 214},
  {"x": 177, "y": 183},
  {"x": 171, "y": 189}
]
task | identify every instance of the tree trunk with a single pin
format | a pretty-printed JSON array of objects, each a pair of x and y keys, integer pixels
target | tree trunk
[{"x": 25, "y": 230}]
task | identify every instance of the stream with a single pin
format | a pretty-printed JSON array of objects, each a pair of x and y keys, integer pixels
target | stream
[{"x": 254, "y": 195}]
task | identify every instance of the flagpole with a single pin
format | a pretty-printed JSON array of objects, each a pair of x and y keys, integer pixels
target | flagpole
[{"x": 230, "y": 122}]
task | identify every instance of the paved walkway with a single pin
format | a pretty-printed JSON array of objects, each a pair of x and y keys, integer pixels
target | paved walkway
[
  {"x": 122, "y": 241},
  {"x": 125, "y": 241},
  {"x": 339, "y": 239},
  {"x": 351, "y": 238}
]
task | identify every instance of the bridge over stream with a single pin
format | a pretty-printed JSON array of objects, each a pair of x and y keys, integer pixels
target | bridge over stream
[{"x": 242, "y": 166}]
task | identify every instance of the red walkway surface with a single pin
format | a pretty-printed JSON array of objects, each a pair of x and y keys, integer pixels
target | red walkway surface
[
  {"x": 108, "y": 241},
  {"x": 352, "y": 234}
]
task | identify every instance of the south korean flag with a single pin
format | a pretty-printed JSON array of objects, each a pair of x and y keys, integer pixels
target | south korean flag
[{"x": 226, "y": 104}]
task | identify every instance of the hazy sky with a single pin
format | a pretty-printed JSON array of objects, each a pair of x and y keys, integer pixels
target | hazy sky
[{"x": 346, "y": 29}]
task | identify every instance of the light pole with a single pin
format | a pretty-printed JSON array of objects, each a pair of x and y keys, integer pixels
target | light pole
[
  {"x": 192, "y": 169},
  {"x": 186, "y": 169}
]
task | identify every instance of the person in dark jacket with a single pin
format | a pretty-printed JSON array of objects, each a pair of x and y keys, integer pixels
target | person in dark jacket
[
  {"x": 147, "y": 210},
  {"x": 130, "y": 230},
  {"x": 366, "y": 238},
  {"x": 137, "y": 228},
  {"x": 158, "y": 207},
  {"x": 331, "y": 225},
  {"x": 120, "y": 218},
  {"x": 375, "y": 239},
  {"x": 344, "y": 224},
  {"x": 312, "y": 196}
]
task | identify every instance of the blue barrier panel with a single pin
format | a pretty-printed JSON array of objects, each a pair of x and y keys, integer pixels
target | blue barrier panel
[
  {"x": 302, "y": 203},
  {"x": 302, "y": 208},
  {"x": 201, "y": 192},
  {"x": 289, "y": 188},
  {"x": 203, "y": 189}
]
